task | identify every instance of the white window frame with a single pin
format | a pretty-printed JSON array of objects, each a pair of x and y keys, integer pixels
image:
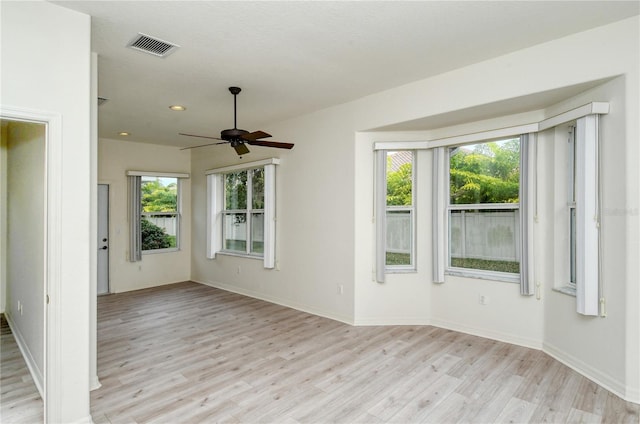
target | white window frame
[
  {"x": 178, "y": 216},
  {"x": 449, "y": 207},
  {"x": 247, "y": 212},
  {"x": 215, "y": 211},
  {"x": 412, "y": 211},
  {"x": 135, "y": 212}
]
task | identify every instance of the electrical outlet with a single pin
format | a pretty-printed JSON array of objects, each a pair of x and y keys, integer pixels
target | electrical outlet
[
  {"x": 484, "y": 300},
  {"x": 238, "y": 270},
  {"x": 340, "y": 288}
]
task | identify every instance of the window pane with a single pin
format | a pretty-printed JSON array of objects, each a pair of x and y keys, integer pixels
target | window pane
[
  {"x": 399, "y": 178},
  {"x": 159, "y": 221},
  {"x": 257, "y": 189},
  {"x": 257, "y": 233},
  {"x": 235, "y": 232},
  {"x": 485, "y": 239},
  {"x": 235, "y": 190},
  {"x": 159, "y": 194},
  {"x": 485, "y": 173},
  {"x": 159, "y": 231},
  {"x": 399, "y": 237}
]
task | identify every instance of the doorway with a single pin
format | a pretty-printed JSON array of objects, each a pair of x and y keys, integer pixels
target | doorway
[
  {"x": 103, "y": 239},
  {"x": 23, "y": 252}
]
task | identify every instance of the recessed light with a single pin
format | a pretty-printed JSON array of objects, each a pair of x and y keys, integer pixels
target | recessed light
[
  {"x": 177, "y": 107},
  {"x": 123, "y": 133}
]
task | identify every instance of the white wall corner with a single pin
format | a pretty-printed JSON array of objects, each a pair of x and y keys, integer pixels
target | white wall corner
[{"x": 278, "y": 301}]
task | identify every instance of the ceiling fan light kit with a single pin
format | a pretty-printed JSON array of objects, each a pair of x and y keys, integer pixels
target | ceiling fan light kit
[{"x": 238, "y": 138}]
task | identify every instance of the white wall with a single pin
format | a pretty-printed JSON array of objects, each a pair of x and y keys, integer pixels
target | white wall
[
  {"x": 314, "y": 227},
  {"x": 585, "y": 341},
  {"x": 46, "y": 67},
  {"x": 328, "y": 183},
  {"x": 3, "y": 214},
  {"x": 115, "y": 158},
  {"x": 25, "y": 240}
]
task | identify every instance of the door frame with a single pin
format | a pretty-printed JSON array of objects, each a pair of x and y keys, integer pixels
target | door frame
[{"x": 52, "y": 121}]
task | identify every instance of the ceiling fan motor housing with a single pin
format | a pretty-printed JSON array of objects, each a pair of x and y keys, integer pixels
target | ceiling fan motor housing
[{"x": 233, "y": 134}]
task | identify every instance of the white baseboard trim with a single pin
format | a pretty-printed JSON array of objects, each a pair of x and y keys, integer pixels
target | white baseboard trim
[
  {"x": 94, "y": 383},
  {"x": 488, "y": 334},
  {"x": 282, "y": 302},
  {"x": 593, "y": 374},
  {"x": 377, "y": 321},
  {"x": 35, "y": 372}
]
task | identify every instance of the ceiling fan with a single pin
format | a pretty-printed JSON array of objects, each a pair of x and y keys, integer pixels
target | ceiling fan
[{"x": 240, "y": 138}]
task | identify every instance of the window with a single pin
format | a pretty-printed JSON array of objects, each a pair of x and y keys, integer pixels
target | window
[
  {"x": 483, "y": 208},
  {"x": 400, "y": 214},
  {"x": 154, "y": 212},
  {"x": 243, "y": 222},
  {"x": 159, "y": 225},
  {"x": 241, "y": 211}
]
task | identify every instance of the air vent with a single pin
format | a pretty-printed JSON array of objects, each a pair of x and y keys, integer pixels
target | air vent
[
  {"x": 152, "y": 45},
  {"x": 101, "y": 100}
]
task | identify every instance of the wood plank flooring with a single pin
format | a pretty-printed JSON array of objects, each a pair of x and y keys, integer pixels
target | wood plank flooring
[
  {"x": 188, "y": 353},
  {"x": 20, "y": 401}
]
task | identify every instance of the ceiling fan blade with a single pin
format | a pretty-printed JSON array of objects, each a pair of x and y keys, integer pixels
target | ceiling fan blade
[
  {"x": 241, "y": 148},
  {"x": 275, "y": 144},
  {"x": 255, "y": 135},
  {"x": 204, "y": 145},
  {"x": 200, "y": 136}
]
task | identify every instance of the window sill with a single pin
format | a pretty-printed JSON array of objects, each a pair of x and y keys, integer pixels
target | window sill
[
  {"x": 411, "y": 270},
  {"x": 156, "y": 251},
  {"x": 568, "y": 290},
  {"x": 483, "y": 275},
  {"x": 239, "y": 255}
]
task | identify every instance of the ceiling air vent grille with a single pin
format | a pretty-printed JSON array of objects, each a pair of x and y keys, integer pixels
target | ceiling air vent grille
[{"x": 152, "y": 45}]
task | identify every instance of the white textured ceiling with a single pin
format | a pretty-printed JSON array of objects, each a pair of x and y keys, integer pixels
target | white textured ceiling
[{"x": 291, "y": 58}]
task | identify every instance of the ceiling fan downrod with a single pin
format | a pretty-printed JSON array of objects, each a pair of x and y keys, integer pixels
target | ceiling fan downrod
[{"x": 235, "y": 91}]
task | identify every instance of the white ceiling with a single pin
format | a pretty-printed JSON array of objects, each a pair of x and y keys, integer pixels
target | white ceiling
[{"x": 291, "y": 58}]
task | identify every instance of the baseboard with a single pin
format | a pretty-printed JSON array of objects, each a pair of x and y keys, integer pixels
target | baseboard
[
  {"x": 35, "y": 372},
  {"x": 488, "y": 334},
  {"x": 282, "y": 302},
  {"x": 391, "y": 321},
  {"x": 94, "y": 383},
  {"x": 602, "y": 379}
]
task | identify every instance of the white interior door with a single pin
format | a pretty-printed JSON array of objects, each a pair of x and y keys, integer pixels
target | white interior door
[{"x": 103, "y": 239}]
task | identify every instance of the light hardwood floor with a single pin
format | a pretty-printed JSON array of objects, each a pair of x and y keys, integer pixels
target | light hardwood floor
[
  {"x": 188, "y": 353},
  {"x": 20, "y": 401}
]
